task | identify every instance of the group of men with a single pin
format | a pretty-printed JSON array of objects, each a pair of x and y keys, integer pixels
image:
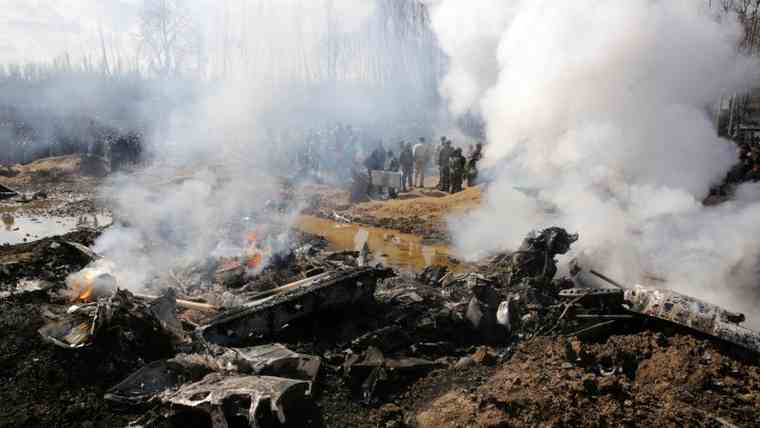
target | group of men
[
  {"x": 454, "y": 168},
  {"x": 413, "y": 160}
]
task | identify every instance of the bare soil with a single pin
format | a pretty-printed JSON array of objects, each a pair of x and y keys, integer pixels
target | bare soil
[
  {"x": 423, "y": 212},
  {"x": 642, "y": 379}
]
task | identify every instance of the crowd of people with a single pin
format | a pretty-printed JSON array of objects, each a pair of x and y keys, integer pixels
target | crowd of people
[
  {"x": 26, "y": 136},
  {"x": 336, "y": 153},
  {"x": 454, "y": 168}
]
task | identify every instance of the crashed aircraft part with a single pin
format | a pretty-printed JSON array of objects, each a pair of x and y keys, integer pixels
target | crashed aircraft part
[
  {"x": 158, "y": 377},
  {"x": 76, "y": 330},
  {"x": 68, "y": 334},
  {"x": 84, "y": 250},
  {"x": 83, "y": 324},
  {"x": 219, "y": 396},
  {"x": 277, "y": 360},
  {"x": 692, "y": 313},
  {"x": 269, "y": 316},
  {"x": 153, "y": 379},
  {"x": 7, "y": 192}
]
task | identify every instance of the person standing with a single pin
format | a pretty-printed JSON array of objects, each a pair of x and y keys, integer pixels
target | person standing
[
  {"x": 392, "y": 166},
  {"x": 443, "y": 165},
  {"x": 472, "y": 165},
  {"x": 406, "y": 159},
  {"x": 457, "y": 164},
  {"x": 422, "y": 155}
]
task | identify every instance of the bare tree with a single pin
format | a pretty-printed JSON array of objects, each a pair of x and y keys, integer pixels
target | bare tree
[{"x": 169, "y": 38}]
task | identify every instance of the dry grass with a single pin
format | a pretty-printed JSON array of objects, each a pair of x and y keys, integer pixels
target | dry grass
[
  {"x": 69, "y": 163},
  {"x": 422, "y": 206}
]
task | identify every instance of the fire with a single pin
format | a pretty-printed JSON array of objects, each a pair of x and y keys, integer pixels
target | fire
[
  {"x": 90, "y": 284},
  {"x": 254, "y": 256},
  {"x": 82, "y": 286},
  {"x": 255, "y": 260}
]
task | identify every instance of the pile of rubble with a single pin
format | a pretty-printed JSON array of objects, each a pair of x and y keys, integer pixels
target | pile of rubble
[{"x": 262, "y": 353}]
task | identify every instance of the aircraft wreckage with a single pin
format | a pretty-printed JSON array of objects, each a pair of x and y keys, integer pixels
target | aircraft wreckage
[{"x": 232, "y": 366}]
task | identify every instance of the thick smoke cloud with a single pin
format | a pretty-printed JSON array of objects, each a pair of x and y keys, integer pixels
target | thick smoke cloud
[
  {"x": 601, "y": 110},
  {"x": 272, "y": 72}
]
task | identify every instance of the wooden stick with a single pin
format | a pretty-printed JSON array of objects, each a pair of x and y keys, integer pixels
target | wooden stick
[
  {"x": 604, "y": 277},
  {"x": 187, "y": 304},
  {"x": 289, "y": 286}
]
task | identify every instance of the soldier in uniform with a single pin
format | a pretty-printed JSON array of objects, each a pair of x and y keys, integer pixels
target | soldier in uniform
[
  {"x": 443, "y": 165},
  {"x": 457, "y": 165},
  {"x": 472, "y": 165},
  {"x": 406, "y": 159},
  {"x": 392, "y": 165}
]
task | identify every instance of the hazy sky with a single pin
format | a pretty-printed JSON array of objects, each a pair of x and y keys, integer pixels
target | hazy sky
[
  {"x": 35, "y": 30},
  {"x": 40, "y": 30}
]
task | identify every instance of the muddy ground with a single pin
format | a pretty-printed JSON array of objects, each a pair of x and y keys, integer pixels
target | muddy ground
[
  {"x": 421, "y": 211},
  {"x": 635, "y": 374}
]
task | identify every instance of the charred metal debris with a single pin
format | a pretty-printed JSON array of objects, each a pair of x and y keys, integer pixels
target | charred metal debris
[{"x": 234, "y": 349}]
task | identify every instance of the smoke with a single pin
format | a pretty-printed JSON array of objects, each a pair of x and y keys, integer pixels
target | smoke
[
  {"x": 598, "y": 120},
  {"x": 269, "y": 74}
]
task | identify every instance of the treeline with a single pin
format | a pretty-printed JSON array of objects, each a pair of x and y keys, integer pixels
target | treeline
[{"x": 748, "y": 12}]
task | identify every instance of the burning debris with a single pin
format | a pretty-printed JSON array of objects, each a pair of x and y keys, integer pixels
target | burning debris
[
  {"x": 268, "y": 352},
  {"x": 120, "y": 321}
]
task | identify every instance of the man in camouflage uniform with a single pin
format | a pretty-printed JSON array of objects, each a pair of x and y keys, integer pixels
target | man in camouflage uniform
[
  {"x": 472, "y": 165},
  {"x": 443, "y": 165},
  {"x": 457, "y": 164}
]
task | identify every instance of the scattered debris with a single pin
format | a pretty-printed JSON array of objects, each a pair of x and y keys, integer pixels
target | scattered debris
[{"x": 206, "y": 369}]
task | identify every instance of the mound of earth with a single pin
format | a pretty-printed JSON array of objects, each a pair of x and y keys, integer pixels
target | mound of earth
[{"x": 644, "y": 379}]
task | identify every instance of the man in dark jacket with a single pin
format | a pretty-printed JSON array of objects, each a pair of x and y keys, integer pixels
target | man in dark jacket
[
  {"x": 443, "y": 165},
  {"x": 457, "y": 164}
]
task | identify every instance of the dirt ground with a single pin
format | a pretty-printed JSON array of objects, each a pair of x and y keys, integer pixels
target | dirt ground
[
  {"x": 643, "y": 379},
  {"x": 422, "y": 212}
]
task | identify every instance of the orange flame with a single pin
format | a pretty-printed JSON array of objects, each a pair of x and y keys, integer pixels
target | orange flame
[
  {"x": 86, "y": 295},
  {"x": 254, "y": 260},
  {"x": 83, "y": 287},
  {"x": 254, "y": 257}
]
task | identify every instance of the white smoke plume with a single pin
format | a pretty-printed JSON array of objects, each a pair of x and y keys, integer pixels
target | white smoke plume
[
  {"x": 281, "y": 67},
  {"x": 602, "y": 108}
]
